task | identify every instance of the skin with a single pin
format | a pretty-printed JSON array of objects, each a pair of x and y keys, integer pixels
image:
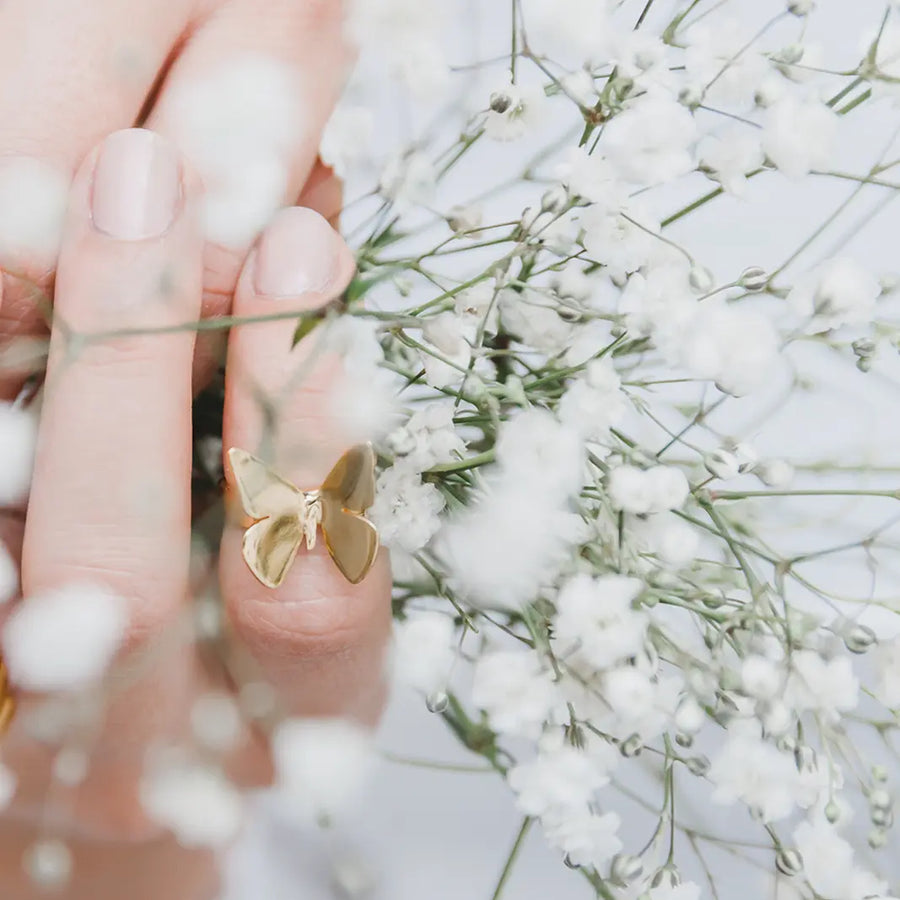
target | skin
[{"x": 115, "y": 419}]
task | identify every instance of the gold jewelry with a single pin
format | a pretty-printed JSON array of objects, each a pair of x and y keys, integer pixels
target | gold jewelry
[
  {"x": 281, "y": 516},
  {"x": 7, "y": 701}
]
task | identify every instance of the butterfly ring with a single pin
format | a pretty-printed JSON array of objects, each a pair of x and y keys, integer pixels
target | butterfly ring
[{"x": 282, "y": 516}]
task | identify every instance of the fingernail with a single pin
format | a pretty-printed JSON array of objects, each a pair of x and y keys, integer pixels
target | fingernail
[
  {"x": 137, "y": 185},
  {"x": 297, "y": 254}
]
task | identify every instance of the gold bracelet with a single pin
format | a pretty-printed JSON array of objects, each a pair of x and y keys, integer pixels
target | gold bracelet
[{"x": 7, "y": 701}]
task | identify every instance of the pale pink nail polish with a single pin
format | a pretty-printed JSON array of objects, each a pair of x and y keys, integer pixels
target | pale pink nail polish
[
  {"x": 297, "y": 254},
  {"x": 136, "y": 191}
]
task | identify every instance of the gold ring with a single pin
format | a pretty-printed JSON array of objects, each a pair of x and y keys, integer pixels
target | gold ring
[
  {"x": 279, "y": 517},
  {"x": 7, "y": 700}
]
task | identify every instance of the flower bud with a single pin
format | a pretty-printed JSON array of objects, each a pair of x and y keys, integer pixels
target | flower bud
[
  {"x": 791, "y": 54},
  {"x": 754, "y": 279},
  {"x": 554, "y": 199},
  {"x": 859, "y": 639},
  {"x": 722, "y": 464},
  {"x": 697, "y": 765},
  {"x": 800, "y": 7},
  {"x": 689, "y": 718},
  {"x": 514, "y": 390},
  {"x": 877, "y": 838},
  {"x": 666, "y": 877},
  {"x": 500, "y": 102},
  {"x": 625, "y": 868},
  {"x": 690, "y": 96},
  {"x": 620, "y": 87},
  {"x": 437, "y": 702},
  {"x": 746, "y": 456},
  {"x": 788, "y": 862},
  {"x": 786, "y": 743},
  {"x": 805, "y": 758},
  {"x": 701, "y": 279},
  {"x": 631, "y": 746},
  {"x": 889, "y": 282},
  {"x": 882, "y": 818},
  {"x": 832, "y": 812},
  {"x": 464, "y": 218}
]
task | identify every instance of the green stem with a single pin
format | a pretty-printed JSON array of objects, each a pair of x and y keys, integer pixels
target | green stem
[
  {"x": 428, "y": 764},
  {"x": 846, "y": 90},
  {"x": 643, "y": 14},
  {"x": 511, "y": 859},
  {"x": 461, "y": 465},
  {"x": 514, "y": 42},
  {"x": 837, "y": 492}
]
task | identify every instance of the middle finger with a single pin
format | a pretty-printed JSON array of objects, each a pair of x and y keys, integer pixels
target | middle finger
[{"x": 110, "y": 502}]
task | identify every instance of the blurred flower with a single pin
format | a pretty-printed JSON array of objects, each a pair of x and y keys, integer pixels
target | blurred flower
[
  {"x": 195, "y": 802},
  {"x": 18, "y": 438},
  {"x": 839, "y": 292},
  {"x": 515, "y": 691},
  {"x": 424, "y": 651},
  {"x": 64, "y": 639},
  {"x": 798, "y": 135},
  {"x": 321, "y": 765}
]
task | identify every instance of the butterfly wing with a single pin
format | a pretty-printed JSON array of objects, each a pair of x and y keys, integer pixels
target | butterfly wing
[
  {"x": 270, "y": 547},
  {"x": 352, "y": 480},
  {"x": 271, "y": 544},
  {"x": 262, "y": 492},
  {"x": 351, "y": 540}
]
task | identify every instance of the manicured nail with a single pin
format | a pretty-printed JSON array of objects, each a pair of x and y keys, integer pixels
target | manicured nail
[
  {"x": 297, "y": 254},
  {"x": 137, "y": 185}
]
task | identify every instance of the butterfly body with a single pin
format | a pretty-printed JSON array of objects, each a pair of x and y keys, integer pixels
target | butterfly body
[
  {"x": 313, "y": 519},
  {"x": 286, "y": 517}
]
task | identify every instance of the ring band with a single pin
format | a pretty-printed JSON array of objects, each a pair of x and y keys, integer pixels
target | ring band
[{"x": 7, "y": 700}]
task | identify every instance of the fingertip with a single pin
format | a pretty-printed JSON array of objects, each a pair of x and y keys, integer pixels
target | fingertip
[
  {"x": 300, "y": 259},
  {"x": 133, "y": 186}
]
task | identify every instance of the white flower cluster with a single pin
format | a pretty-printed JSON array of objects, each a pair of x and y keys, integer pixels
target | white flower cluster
[{"x": 576, "y": 481}]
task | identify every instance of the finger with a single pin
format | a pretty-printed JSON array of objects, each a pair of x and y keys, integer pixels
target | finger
[
  {"x": 110, "y": 499},
  {"x": 69, "y": 74},
  {"x": 323, "y": 193},
  {"x": 317, "y": 638},
  {"x": 246, "y": 101}
]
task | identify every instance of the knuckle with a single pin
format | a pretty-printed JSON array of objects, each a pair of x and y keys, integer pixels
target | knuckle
[
  {"x": 153, "y": 596},
  {"x": 318, "y": 613},
  {"x": 128, "y": 352},
  {"x": 313, "y": 627}
]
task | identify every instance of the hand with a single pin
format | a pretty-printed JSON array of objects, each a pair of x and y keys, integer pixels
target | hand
[
  {"x": 243, "y": 87},
  {"x": 110, "y": 502}
]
